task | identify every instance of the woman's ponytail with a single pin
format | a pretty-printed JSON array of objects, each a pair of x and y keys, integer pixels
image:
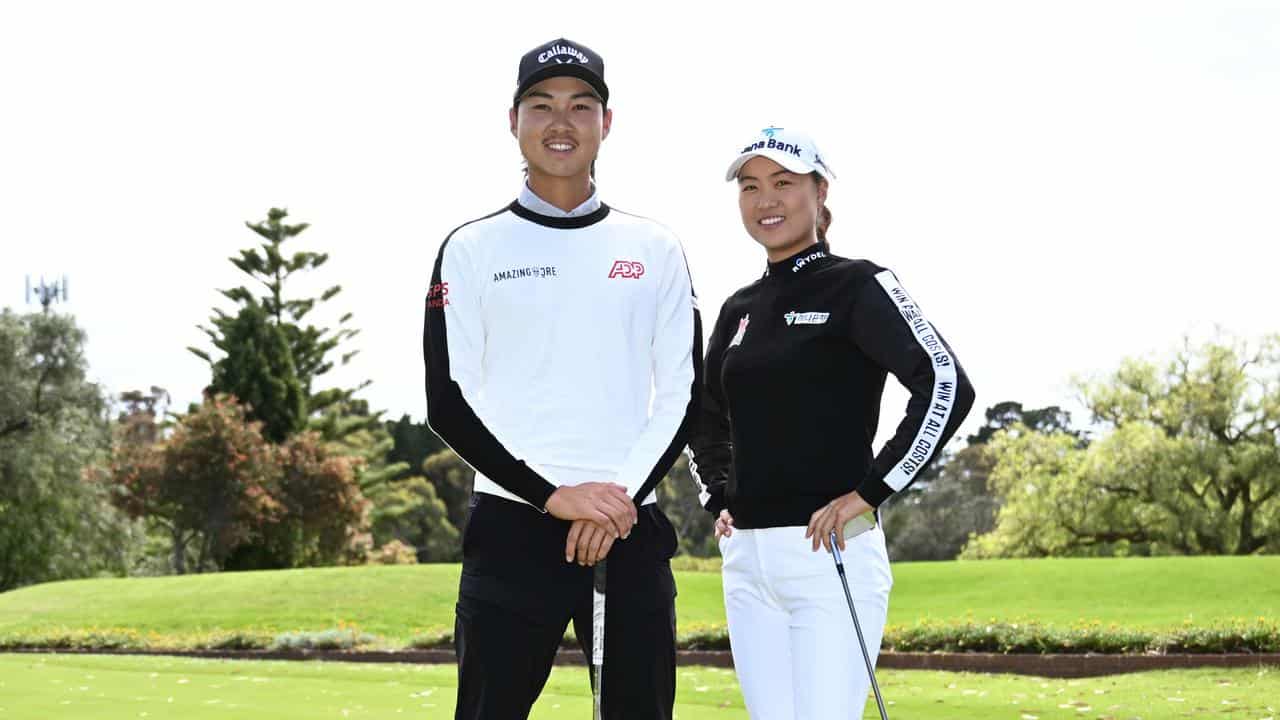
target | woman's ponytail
[
  {"x": 824, "y": 222},
  {"x": 824, "y": 214}
]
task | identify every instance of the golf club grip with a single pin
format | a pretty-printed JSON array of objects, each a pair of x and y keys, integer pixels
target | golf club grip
[
  {"x": 597, "y": 614},
  {"x": 598, "y": 584},
  {"x": 598, "y": 577}
]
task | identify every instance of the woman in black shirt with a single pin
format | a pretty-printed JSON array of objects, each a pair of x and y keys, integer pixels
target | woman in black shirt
[{"x": 795, "y": 369}]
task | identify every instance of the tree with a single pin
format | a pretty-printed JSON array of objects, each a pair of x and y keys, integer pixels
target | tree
[
  {"x": 935, "y": 521},
  {"x": 1004, "y": 415},
  {"x": 258, "y": 369},
  {"x": 54, "y": 523},
  {"x": 44, "y": 370},
  {"x": 141, "y": 420},
  {"x": 412, "y": 443},
  {"x": 349, "y": 428},
  {"x": 273, "y": 357},
  {"x": 411, "y": 512},
  {"x": 950, "y": 502},
  {"x": 209, "y": 485},
  {"x": 453, "y": 479},
  {"x": 1191, "y": 465},
  {"x": 423, "y": 512},
  {"x": 678, "y": 497},
  {"x": 324, "y": 514},
  {"x": 230, "y": 499},
  {"x": 310, "y": 347}
]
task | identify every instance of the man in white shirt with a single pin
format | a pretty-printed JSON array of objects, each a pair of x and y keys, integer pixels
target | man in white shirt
[{"x": 562, "y": 347}]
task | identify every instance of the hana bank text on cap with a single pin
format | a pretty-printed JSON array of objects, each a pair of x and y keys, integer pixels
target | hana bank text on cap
[{"x": 792, "y": 149}]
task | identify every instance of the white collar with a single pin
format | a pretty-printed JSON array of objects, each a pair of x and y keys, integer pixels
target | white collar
[{"x": 530, "y": 201}]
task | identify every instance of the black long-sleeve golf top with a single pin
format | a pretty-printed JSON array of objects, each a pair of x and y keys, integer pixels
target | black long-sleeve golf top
[{"x": 795, "y": 370}]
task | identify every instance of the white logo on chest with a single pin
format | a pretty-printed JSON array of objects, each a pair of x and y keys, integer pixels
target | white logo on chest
[{"x": 808, "y": 318}]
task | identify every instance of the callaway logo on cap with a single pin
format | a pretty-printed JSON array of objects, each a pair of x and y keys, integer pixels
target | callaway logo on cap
[
  {"x": 792, "y": 149},
  {"x": 558, "y": 58}
]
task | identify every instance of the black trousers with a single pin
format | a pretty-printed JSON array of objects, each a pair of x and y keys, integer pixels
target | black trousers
[{"x": 518, "y": 595}]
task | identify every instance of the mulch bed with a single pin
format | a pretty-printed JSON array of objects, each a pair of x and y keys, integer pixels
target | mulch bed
[{"x": 1049, "y": 666}]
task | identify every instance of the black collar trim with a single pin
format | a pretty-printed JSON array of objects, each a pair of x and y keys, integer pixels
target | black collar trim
[
  {"x": 800, "y": 261},
  {"x": 567, "y": 223}
]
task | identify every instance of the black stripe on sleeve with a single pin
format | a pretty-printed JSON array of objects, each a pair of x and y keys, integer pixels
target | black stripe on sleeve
[{"x": 452, "y": 418}]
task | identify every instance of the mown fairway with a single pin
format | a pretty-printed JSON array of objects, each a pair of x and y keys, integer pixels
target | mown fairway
[
  {"x": 398, "y": 602},
  {"x": 1145, "y": 593},
  {"x": 86, "y": 687}
]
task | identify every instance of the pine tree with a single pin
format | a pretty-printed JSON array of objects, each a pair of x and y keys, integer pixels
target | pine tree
[
  {"x": 310, "y": 348},
  {"x": 258, "y": 369}
]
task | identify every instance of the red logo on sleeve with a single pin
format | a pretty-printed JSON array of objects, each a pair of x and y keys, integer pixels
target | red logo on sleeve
[
  {"x": 626, "y": 269},
  {"x": 438, "y": 295}
]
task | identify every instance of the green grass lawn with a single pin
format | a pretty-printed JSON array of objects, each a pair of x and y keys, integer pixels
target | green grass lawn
[
  {"x": 73, "y": 687},
  {"x": 397, "y": 602},
  {"x": 1139, "y": 593}
]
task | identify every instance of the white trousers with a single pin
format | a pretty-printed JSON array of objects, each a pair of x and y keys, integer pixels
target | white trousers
[{"x": 794, "y": 646}]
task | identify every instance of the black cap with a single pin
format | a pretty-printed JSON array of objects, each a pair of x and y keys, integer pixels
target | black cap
[{"x": 559, "y": 58}]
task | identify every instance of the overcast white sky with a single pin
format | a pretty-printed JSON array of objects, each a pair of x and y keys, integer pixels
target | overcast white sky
[{"x": 1058, "y": 184}]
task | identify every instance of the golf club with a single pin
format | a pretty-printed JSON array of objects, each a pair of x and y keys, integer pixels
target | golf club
[
  {"x": 597, "y": 634},
  {"x": 862, "y": 643}
]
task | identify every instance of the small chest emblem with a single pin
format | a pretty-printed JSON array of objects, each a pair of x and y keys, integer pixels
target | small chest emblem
[
  {"x": 742, "y": 330},
  {"x": 808, "y": 318},
  {"x": 627, "y": 269}
]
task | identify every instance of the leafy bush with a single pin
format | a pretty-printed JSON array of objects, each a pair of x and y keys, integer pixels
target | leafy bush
[
  {"x": 431, "y": 639},
  {"x": 339, "y": 639},
  {"x": 1259, "y": 636},
  {"x": 394, "y": 553},
  {"x": 691, "y": 563},
  {"x": 704, "y": 637},
  {"x": 1092, "y": 637}
]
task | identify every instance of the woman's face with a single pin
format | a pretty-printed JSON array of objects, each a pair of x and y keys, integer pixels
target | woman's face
[
  {"x": 779, "y": 208},
  {"x": 560, "y": 124}
]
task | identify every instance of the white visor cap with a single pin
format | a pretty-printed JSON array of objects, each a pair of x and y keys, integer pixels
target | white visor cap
[{"x": 792, "y": 149}]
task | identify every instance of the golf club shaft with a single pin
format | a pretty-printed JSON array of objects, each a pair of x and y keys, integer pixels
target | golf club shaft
[
  {"x": 597, "y": 635},
  {"x": 862, "y": 643}
]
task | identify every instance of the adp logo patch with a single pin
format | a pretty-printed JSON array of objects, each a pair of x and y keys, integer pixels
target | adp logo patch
[{"x": 626, "y": 269}]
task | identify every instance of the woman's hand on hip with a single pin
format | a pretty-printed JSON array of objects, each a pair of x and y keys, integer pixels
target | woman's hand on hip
[
  {"x": 833, "y": 516},
  {"x": 724, "y": 524}
]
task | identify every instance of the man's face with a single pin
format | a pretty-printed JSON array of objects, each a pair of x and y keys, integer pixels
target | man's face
[{"x": 560, "y": 123}]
